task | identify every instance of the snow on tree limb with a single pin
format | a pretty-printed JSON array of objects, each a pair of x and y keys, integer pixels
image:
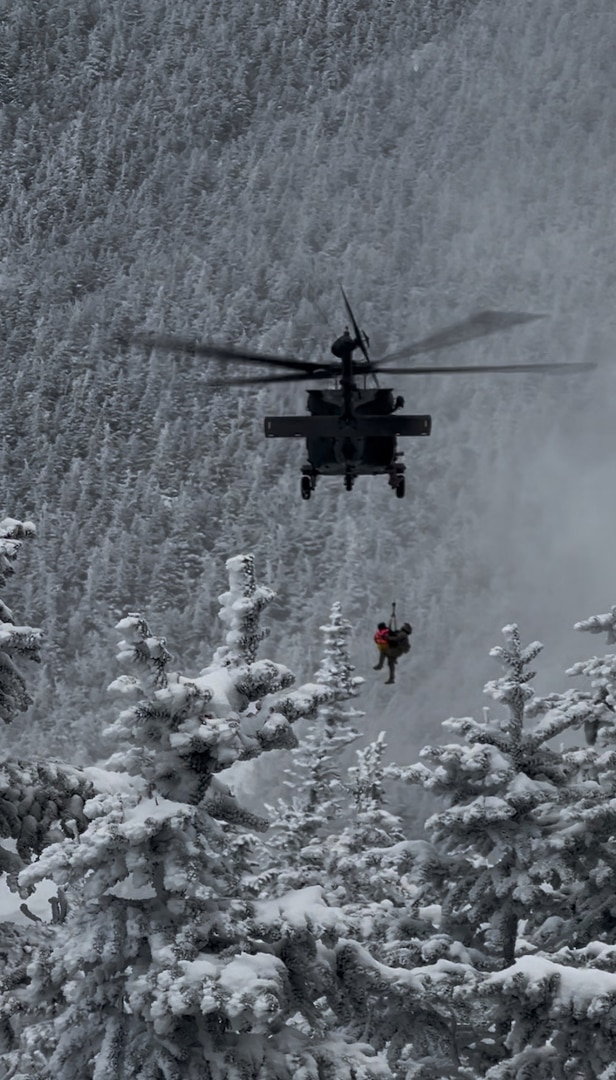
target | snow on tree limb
[
  {"x": 12, "y": 532},
  {"x": 598, "y": 624},
  {"x": 561, "y": 1014},
  {"x": 143, "y": 648},
  {"x": 40, "y": 803}
]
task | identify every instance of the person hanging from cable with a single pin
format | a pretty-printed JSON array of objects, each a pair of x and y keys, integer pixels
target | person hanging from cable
[
  {"x": 381, "y": 640},
  {"x": 392, "y": 644},
  {"x": 399, "y": 644}
]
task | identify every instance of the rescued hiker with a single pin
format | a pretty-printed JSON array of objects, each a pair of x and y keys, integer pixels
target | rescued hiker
[{"x": 381, "y": 640}]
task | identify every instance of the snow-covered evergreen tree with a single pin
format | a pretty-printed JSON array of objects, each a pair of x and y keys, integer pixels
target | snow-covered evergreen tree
[
  {"x": 397, "y": 974},
  {"x": 559, "y": 1019},
  {"x": 507, "y": 882},
  {"x": 163, "y": 968},
  {"x": 583, "y": 832},
  {"x": 17, "y": 946},
  {"x": 15, "y": 641},
  {"x": 360, "y": 860},
  {"x": 318, "y": 797},
  {"x": 39, "y": 800},
  {"x": 337, "y": 831},
  {"x": 601, "y": 699},
  {"x": 503, "y": 787},
  {"x": 370, "y": 868}
]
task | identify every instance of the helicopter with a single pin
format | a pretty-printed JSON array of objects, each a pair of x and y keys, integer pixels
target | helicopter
[{"x": 352, "y": 428}]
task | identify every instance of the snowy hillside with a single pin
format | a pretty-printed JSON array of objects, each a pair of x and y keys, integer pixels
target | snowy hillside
[{"x": 219, "y": 172}]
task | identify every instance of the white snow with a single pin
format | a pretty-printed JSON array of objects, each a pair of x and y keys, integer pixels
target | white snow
[
  {"x": 108, "y": 782},
  {"x": 577, "y": 986},
  {"x": 248, "y": 973},
  {"x": 297, "y": 908}
]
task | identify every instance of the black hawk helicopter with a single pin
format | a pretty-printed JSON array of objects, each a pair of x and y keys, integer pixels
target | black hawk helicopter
[{"x": 352, "y": 429}]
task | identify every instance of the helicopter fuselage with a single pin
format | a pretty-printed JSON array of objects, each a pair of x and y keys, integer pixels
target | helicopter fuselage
[
  {"x": 350, "y": 431},
  {"x": 352, "y": 449}
]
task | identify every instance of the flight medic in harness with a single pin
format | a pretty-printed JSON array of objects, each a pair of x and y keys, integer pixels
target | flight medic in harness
[{"x": 392, "y": 644}]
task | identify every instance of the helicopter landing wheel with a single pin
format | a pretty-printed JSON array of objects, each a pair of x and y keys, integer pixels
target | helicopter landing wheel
[
  {"x": 306, "y": 487},
  {"x": 400, "y": 487}
]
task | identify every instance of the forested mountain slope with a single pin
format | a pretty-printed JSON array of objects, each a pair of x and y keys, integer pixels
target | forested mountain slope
[{"x": 219, "y": 170}]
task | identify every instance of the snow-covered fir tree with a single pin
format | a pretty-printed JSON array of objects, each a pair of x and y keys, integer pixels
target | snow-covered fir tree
[
  {"x": 492, "y": 871},
  {"x": 163, "y": 968},
  {"x": 17, "y": 946},
  {"x": 600, "y": 700},
  {"x": 365, "y": 858},
  {"x": 40, "y": 800},
  {"x": 386, "y": 964},
  {"x": 528, "y": 865},
  {"x": 583, "y": 832},
  {"x": 16, "y": 642},
  {"x": 240, "y": 612},
  {"x": 586, "y": 834},
  {"x": 503, "y": 786},
  {"x": 318, "y": 797},
  {"x": 557, "y": 1020}
]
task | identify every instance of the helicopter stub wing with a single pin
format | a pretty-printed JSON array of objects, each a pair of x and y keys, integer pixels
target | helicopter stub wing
[
  {"x": 299, "y": 427},
  {"x": 396, "y": 425},
  {"x": 335, "y": 427}
]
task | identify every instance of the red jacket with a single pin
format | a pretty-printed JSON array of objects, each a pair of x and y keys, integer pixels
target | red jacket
[{"x": 381, "y": 638}]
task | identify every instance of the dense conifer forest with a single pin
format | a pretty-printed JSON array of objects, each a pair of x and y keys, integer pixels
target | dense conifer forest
[
  {"x": 190, "y": 937},
  {"x": 218, "y": 171},
  {"x": 384, "y": 909}
]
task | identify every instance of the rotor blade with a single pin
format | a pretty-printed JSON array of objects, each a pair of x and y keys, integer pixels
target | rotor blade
[
  {"x": 476, "y": 326},
  {"x": 357, "y": 332},
  {"x": 189, "y": 347},
  {"x": 473, "y": 369},
  {"x": 262, "y": 380}
]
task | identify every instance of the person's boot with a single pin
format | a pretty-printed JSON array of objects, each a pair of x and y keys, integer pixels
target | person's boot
[
  {"x": 378, "y": 667},
  {"x": 389, "y": 680}
]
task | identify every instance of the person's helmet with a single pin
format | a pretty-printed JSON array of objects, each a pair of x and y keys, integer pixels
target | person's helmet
[
  {"x": 382, "y": 626},
  {"x": 408, "y": 629}
]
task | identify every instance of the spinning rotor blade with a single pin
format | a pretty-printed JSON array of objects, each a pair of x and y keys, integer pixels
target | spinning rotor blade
[
  {"x": 356, "y": 331},
  {"x": 476, "y": 326},
  {"x": 262, "y": 380},
  {"x": 478, "y": 368},
  {"x": 189, "y": 347}
]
